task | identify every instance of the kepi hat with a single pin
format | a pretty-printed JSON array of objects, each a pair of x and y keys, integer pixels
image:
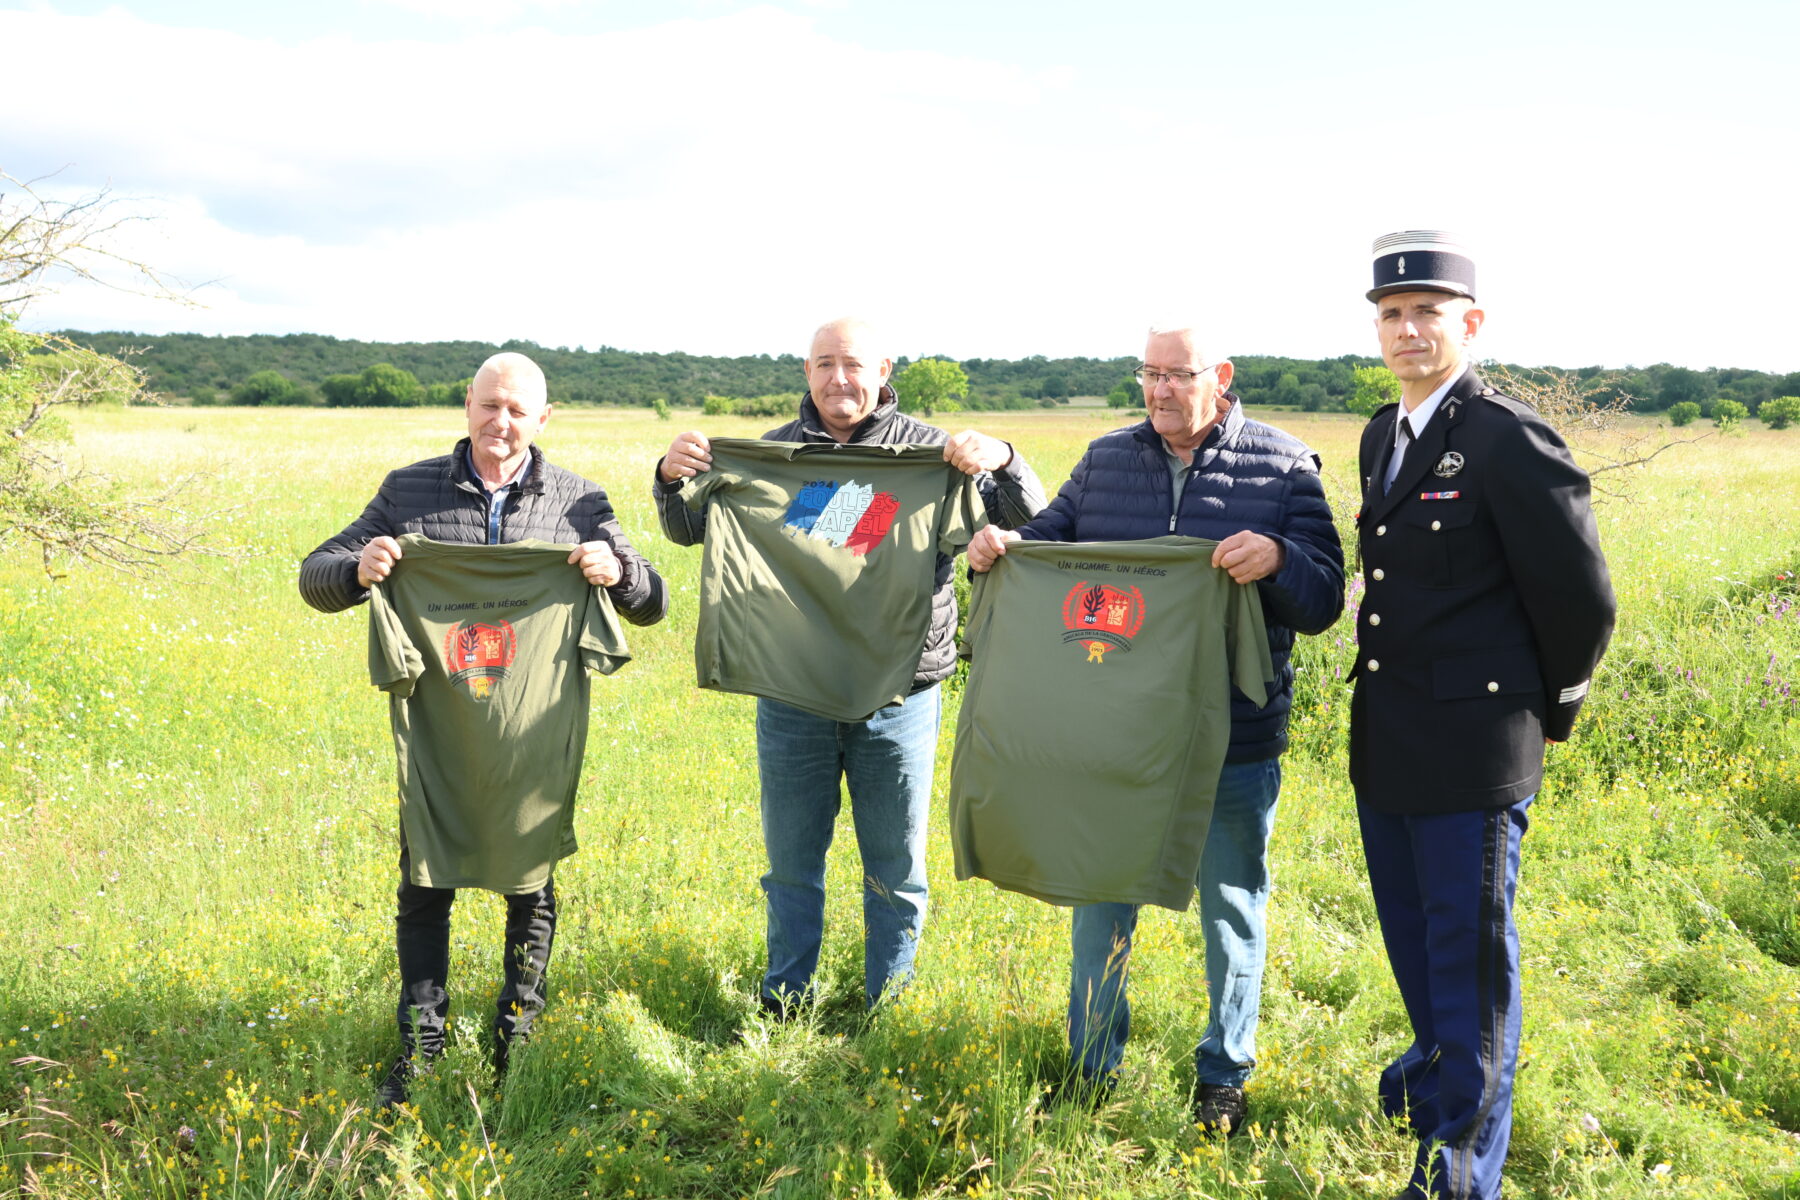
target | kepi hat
[{"x": 1422, "y": 260}]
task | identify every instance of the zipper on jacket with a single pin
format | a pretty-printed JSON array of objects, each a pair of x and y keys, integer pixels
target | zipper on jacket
[{"x": 1175, "y": 501}]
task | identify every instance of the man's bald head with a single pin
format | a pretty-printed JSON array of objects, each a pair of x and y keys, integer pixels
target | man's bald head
[
  {"x": 847, "y": 365},
  {"x": 507, "y": 406},
  {"x": 515, "y": 372},
  {"x": 854, "y": 330}
]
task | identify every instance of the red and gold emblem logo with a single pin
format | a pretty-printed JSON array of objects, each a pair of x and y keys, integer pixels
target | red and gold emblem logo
[
  {"x": 1101, "y": 616},
  {"x": 479, "y": 655}
]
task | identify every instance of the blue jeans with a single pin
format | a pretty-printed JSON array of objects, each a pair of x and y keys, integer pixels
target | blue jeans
[
  {"x": 1233, "y": 882},
  {"x": 1444, "y": 885},
  {"x": 887, "y": 762}
]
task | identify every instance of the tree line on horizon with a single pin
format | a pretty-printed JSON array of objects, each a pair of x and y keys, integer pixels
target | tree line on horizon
[{"x": 315, "y": 369}]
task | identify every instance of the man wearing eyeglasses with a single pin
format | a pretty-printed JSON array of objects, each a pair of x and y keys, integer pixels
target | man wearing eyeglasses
[{"x": 1199, "y": 466}]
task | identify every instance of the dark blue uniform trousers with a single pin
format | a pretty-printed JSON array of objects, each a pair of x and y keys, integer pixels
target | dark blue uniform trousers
[{"x": 1443, "y": 886}]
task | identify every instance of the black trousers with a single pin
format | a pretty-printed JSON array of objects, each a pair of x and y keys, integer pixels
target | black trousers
[{"x": 422, "y": 937}]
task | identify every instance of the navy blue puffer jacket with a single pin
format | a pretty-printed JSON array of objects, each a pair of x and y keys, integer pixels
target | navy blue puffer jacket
[{"x": 1246, "y": 475}]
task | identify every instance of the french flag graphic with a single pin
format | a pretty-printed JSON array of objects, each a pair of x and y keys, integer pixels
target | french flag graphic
[{"x": 852, "y": 515}]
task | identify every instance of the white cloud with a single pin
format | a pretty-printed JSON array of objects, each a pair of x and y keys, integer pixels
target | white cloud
[
  {"x": 719, "y": 185},
  {"x": 559, "y": 188},
  {"x": 490, "y": 14}
]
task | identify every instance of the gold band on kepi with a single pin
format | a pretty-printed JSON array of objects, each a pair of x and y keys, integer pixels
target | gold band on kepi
[{"x": 1422, "y": 260}]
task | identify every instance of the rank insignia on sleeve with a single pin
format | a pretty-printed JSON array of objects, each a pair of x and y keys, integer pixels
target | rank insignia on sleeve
[
  {"x": 1450, "y": 464},
  {"x": 1101, "y": 617}
]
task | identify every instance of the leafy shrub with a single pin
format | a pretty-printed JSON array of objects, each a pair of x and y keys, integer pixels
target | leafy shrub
[
  {"x": 381, "y": 385},
  {"x": 933, "y": 385},
  {"x": 1128, "y": 394},
  {"x": 1780, "y": 412},
  {"x": 1375, "y": 386},
  {"x": 776, "y": 404},
  {"x": 340, "y": 390},
  {"x": 264, "y": 387},
  {"x": 1727, "y": 413},
  {"x": 1684, "y": 413}
]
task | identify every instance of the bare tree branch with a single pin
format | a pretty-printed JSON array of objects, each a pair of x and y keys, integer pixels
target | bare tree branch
[
  {"x": 41, "y": 238},
  {"x": 1595, "y": 418},
  {"x": 49, "y": 501},
  {"x": 1617, "y": 464}
]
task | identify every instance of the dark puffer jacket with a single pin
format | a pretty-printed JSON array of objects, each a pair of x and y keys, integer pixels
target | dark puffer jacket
[
  {"x": 441, "y": 499},
  {"x": 1012, "y": 495},
  {"x": 1246, "y": 475}
]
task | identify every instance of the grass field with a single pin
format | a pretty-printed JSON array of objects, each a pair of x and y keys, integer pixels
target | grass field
[{"x": 197, "y": 864}]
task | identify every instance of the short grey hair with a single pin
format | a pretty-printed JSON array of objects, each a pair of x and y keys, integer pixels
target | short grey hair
[{"x": 1211, "y": 353}]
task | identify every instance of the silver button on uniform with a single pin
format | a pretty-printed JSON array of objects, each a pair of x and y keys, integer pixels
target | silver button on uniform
[
  {"x": 1379, "y": 573},
  {"x": 1381, "y": 531},
  {"x": 1492, "y": 686},
  {"x": 1374, "y": 618},
  {"x": 1374, "y": 665},
  {"x": 1436, "y": 525}
]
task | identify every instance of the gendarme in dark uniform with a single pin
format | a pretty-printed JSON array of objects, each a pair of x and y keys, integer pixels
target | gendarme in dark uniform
[{"x": 1487, "y": 607}]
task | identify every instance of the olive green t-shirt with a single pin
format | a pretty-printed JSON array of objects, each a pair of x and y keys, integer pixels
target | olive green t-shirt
[
  {"x": 820, "y": 562},
  {"x": 484, "y": 653},
  {"x": 1097, "y": 715}
]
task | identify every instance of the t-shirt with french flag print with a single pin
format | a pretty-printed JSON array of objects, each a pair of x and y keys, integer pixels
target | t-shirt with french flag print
[{"x": 819, "y": 566}]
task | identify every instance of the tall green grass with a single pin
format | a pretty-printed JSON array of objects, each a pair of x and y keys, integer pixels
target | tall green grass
[{"x": 197, "y": 855}]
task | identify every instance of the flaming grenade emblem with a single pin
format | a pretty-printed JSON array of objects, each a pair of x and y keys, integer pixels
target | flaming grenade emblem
[
  {"x": 1102, "y": 617},
  {"x": 479, "y": 655}
]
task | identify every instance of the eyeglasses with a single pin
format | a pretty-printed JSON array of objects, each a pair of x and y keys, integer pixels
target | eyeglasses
[{"x": 1179, "y": 380}]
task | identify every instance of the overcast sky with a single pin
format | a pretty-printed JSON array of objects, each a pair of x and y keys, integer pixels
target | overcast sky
[{"x": 986, "y": 179}]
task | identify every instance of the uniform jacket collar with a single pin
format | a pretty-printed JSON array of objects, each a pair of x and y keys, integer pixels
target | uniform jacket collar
[
  {"x": 1426, "y": 451},
  {"x": 872, "y": 428}
]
